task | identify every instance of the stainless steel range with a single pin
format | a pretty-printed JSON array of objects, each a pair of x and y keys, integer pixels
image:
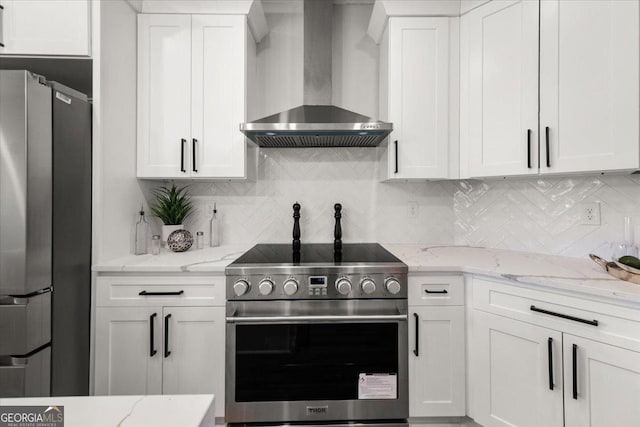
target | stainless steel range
[{"x": 316, "y": 335}]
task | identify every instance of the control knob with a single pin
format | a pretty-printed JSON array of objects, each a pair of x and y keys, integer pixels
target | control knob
[
  {"x": 392, "y": 285},
  {"x": 265, "y": 287},
  {"x": 368, "y": 286},
  {"x": 343, "y": 286},
  {"x": 240, "y": 287},
  {"x": 290, "y": 286}
]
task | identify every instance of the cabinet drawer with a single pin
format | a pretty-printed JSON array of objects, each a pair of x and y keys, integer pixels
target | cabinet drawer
[
  {"x": 604, "y": 322},
  {"x": 155, "y": 291},
  {"x": 436, "y": 290}
]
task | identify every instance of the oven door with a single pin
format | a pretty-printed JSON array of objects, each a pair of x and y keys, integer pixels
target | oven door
[{"x": 291, "y": 361}]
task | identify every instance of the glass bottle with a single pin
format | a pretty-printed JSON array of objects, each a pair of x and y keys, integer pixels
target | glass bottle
[
  {"x": 155, "y": 244},
  {"x": 214, "y": 228},
  {"x": 199, "y": 240},
  {"x": 142, "y": 234}
]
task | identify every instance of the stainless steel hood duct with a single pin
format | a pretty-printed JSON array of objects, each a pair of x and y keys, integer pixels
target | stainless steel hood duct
[{"x": 317, "y": 123}]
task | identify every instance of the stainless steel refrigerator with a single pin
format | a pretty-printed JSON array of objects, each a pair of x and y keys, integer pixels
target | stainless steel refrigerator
[{"x": 45, "y": 237}]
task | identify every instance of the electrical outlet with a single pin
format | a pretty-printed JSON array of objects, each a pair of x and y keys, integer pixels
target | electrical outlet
[
  {"x": 590, "y": 213},
  {"x": 412, "y": 209}
]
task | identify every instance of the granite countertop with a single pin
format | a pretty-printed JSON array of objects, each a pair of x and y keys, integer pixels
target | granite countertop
[
  {"x": 139, "y": 411},
  {"x": 563, "y": 273}
]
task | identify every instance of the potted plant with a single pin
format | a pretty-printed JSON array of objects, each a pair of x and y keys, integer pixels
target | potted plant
[{"x": 173, "y": 206}]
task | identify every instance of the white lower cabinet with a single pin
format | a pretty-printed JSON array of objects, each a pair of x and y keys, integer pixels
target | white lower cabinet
[
  {"x": 512, "y": 386},
  {"x": 607, "y": 384},
  {"x": 545, "y": 359},
  {"x": 436, "y": 361},
  {"x": 436, "y": 351},
  {"x": 160, "y": 335},
  {"x": 124, "y": 360}
]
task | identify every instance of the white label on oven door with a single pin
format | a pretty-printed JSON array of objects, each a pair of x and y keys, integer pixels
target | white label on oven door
[{"x": 378, "y": 386}]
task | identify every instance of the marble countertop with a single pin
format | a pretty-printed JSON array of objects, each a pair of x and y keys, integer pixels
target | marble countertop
[
  {"x": 571, "y": 274},
  {"x": 135, "y": 411},
  {"x": 207, "y": 260}
]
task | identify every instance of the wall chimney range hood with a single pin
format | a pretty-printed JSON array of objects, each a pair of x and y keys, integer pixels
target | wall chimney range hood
[{"x": 317, "y": 123}]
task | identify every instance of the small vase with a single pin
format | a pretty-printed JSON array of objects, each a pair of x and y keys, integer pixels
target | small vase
[{"x": 168, "y": 229}]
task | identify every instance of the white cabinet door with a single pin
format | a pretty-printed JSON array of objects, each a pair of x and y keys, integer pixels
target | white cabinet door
[
  {"x": 128, "y": 357},
  {"x": 45, "y": 27},
  {"x": 502, "y": 101},
  {"x": 607, "y": 384},
  {"x": 512, "y": 370},
  {"x": 164, "y": 96},
  {"x": 196, "y": 346},
  {"x": 437, "y": 371},
  {"x": 589, "y": 85},
  {"x": 218, "y": 102},
  {"x": 418, "y": 97}
]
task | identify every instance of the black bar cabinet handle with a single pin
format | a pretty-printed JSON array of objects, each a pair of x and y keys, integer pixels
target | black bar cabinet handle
[
  {"x": 396, "y": 147},
  {"x": 575, "y": 372},
  {"x": 152, "y": 345},
  {"x": 415, "y": 350},
  {"x": 444, "y": 291},
  {"x": 182, "y": 142},
  {"x": 150, "y": 294},
  {"x": 194, "y": 166},
  {"x": 529, "y": 148},
  {"x": 546, "y": 137},
  {"x": 550, "y": 350},
  {"x": 564, "y": 316},
  {"x": 166, "y": 335}
]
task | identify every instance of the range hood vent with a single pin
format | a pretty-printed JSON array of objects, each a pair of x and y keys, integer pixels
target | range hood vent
[{"x": 317, "y": 124}]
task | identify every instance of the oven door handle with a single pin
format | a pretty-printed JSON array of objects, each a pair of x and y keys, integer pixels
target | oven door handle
[{"x": 289, "y": 319}]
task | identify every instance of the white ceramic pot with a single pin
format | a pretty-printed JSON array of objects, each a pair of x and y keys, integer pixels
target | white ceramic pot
[{"x": 168, "y": 229}]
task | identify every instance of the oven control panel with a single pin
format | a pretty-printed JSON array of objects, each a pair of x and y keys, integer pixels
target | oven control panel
[{"x": 318, "y": 286}]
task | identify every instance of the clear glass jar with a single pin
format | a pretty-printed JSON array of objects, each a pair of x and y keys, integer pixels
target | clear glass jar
[
  {"x": 199, "y": 240},
  {"x": 155, "y": 244}
]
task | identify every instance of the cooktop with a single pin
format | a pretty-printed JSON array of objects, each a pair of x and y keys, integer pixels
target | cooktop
[{"x": 316, "y": 254}]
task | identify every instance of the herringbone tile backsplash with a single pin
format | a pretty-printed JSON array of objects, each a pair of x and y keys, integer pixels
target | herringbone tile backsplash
[{"x": 529, "y": 214}]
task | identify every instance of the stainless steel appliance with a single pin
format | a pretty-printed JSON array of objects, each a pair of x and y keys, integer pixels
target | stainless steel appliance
[
  {"x": 45, "y": 153},
  {"x": 316, "y": 335},
  {"x": 317, "y": 123}
]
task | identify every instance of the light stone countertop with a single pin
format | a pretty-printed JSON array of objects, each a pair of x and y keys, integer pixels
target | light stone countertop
[
  {"x": 129, "y": 411},
  {"x": 552, "y": 271},
  {"x": 207, "y": 260},
  {"x": 556, "y": 272}
]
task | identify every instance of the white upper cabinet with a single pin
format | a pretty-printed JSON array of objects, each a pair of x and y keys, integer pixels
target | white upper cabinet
[
  {"x": 589, "y": 85},
  {"x": 502, "y": 64},
  {"x": 164, "y": 95},
  {"x": 415, "y": 55},
  {"x": 45, "y": 27},
  {"x": 192, "y": 95},
  {"x": 587, "y": 71}
]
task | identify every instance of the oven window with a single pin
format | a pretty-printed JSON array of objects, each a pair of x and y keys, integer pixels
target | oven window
[{"x": 316, "y": 361}]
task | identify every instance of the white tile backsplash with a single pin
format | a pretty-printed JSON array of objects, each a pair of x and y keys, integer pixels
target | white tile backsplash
[
  {"x": 544, "y": 214},
  {"x": 261, "y": 211}
]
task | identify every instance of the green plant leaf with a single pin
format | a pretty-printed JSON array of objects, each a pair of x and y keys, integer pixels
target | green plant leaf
[{"x": 173, "y": 205}]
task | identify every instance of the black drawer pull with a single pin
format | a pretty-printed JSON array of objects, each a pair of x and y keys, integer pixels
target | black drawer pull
[
  {"x": 529, "y": 148},
  {"x": 152, "y": 345},
  {"x": 396, "y": 149},
  {"x": 550, "y": 350},
  {"x": 564, "y": 316},
  {"x": 151, "y": 294},
  {"x": 575, "y": 371},
  {"x": 415, "y": 350},
  {"x": 194, "y": 151},
  {"x": 444, "y": 291},
  {"x": 166, "y": 335},
  {"x": 546, "y": 135}
]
